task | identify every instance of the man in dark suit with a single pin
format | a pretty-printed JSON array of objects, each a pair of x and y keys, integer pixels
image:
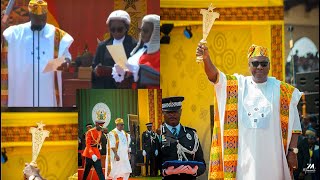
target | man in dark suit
[
  {"x": 150, "y": 149},
  {"x": 104, "y": 140},
  {"x": 118, "y": 23},
  {"x": 158, "y": 158},
  {"x": 179, "y": 143},
  {"x": 303, "y": 156},
  {"x": 133, "y": 154}
]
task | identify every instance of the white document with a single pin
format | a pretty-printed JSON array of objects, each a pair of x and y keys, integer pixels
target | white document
[
  {"x": 118, "y": 54},
  {"x": 53, "y": 64}
]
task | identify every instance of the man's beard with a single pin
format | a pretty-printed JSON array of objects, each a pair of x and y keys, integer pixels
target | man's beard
[{"x": 37, "y": 27}]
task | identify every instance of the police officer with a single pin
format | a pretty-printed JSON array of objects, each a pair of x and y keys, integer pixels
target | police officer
[
  {"x": 179, "y": 143},
  {"x": 150, "y": 148}
]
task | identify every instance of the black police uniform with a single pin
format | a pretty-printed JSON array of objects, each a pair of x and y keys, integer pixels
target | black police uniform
[
  {"x": 169, "y": 150},
  {"x": 150, "y": 145}
]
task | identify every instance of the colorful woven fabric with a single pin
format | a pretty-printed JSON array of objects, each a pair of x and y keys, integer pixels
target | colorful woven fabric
[
  {"x": 108, "y": 159},
  {"x": 119, "y": 121},
  {"x": 230, "y": 137},
  {"x": 231, "y": 129},
  {"x": 286, "y": 91},
  {"x": 4, "y": 74},
  {"x": 38, "y": 7},
  {"x": 256, "y": 50},
  {"x": 57, "y": 38}
]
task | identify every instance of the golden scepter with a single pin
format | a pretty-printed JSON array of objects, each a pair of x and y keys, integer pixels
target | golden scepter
[
  {"x": 208, "y": 19},
  {"x": 38, "y": 137}
]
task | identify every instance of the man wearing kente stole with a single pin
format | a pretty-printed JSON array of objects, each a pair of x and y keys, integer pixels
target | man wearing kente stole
[
  {"x": 27, "y": 49},
  {"x": 257, "y": 125},
  {"x": 118, "y": 153}
]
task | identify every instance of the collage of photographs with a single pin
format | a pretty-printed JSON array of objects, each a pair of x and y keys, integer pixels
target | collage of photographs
[{"x": 160, "y": 90}]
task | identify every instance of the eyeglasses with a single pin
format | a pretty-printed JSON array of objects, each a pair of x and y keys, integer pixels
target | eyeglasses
[
  {"x": 256, "y": 63},
  {"x": 117, "y": 29}
]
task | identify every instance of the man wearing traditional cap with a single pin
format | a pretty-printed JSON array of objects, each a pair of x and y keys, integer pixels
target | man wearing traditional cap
[
  {"x": 119, "y": 148},
  {"x": 179, "y": 143},
  {"x": 91, "y": 152},
  {"x": 147, "y": 53},
  {"x": 28, "y": 49},
  {"x": 150, "y": 149},
  {"x": 260, "y": 121},
  {"x": 118, "y": 23}
]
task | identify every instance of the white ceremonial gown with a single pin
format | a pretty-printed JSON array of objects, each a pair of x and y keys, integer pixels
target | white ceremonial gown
[
  {"x": 260, "y": 151},
  {"x": 22, "y": 82},
  {"x": 120, "y": 168}
]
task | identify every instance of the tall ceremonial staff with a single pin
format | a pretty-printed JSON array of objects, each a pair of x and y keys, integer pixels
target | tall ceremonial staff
[
  {"x": 208, "y": 19},
  {"x": 7, "y": 11},
  {"x": 5, "y": 15}
]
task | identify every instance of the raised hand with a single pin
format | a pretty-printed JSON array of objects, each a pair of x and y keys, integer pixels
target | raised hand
[
  {"x": 202, "y": 50},
  {"x": 30, "y": 170}
]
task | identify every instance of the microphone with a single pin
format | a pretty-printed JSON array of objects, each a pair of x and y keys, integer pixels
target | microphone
[
  {"x": 32, "y": 67},
  {"x": 38, "y": 68},
  {"x": 290, "y": 30},
  {"x": 36, "y": 28}
]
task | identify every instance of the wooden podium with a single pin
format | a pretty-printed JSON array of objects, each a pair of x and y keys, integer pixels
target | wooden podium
[{"x": 70, "y": 85}]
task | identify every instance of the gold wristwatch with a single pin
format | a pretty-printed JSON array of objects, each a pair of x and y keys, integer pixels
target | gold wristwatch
[{"x": 294, "y": 150}]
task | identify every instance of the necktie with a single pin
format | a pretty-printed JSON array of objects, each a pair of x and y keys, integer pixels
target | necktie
[{"x": 174, "y": 132}]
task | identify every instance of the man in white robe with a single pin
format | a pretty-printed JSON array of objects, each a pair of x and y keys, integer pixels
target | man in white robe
[
  {"x": 119, "y": 145},
  {"x": 27, "y": 85},
  {"x": 260, "y": 151}
]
